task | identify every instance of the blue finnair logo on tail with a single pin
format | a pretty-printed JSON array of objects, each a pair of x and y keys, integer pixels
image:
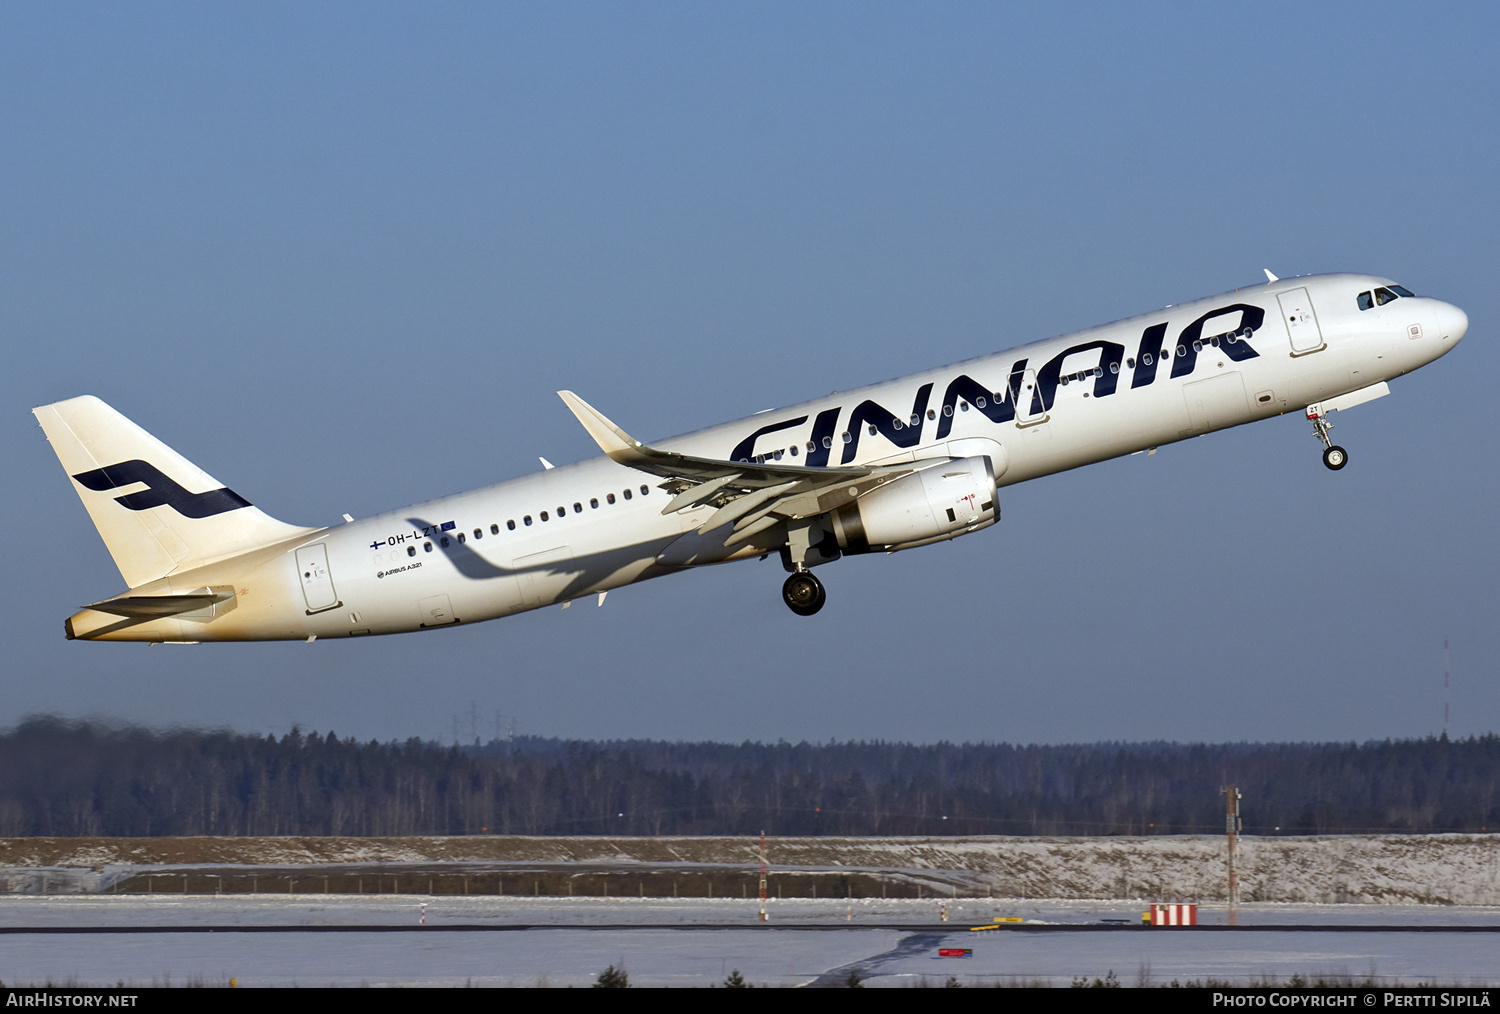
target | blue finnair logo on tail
[{"x": 162, "y": 490}]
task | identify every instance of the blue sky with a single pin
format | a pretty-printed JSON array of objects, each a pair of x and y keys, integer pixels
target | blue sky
[{"x": 341, "y": 256}]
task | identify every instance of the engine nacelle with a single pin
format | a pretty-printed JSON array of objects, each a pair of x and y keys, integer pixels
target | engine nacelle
[{"x": 940, "y": 502}]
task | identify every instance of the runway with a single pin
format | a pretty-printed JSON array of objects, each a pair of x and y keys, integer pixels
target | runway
[{"x": 311, "y": 940}]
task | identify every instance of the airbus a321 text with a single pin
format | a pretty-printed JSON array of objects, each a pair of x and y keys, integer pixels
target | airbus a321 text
[{"x": 888, "y": 467}]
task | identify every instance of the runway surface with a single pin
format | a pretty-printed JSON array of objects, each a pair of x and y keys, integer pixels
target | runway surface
[{"x": 343, "y": 941}]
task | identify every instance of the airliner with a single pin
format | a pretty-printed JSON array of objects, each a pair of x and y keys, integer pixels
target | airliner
[{"x": 892, "y": 466}]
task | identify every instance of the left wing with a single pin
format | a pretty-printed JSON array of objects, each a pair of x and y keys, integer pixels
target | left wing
[{"x": 753, "y": 496}]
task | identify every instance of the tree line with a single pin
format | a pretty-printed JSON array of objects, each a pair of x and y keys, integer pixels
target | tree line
[{"x": 60, "y": 778}]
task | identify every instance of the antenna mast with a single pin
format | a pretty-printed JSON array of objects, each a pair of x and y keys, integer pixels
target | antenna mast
[
  {"x": 1447, "y": 664},
  {"x": 763, "y": 876},
  {"x": 1232, "y": 829}
]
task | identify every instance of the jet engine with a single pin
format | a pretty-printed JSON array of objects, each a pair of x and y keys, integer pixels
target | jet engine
[{"x": 940, "y": 502}]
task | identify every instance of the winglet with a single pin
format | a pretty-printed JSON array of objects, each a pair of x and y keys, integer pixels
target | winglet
[
  {"x": 611, "y": 439},
  {"x": 1270, "y": 278}
]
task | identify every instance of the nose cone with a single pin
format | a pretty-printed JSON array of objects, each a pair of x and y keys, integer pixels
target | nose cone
[{"x": 1452, "y": 323}]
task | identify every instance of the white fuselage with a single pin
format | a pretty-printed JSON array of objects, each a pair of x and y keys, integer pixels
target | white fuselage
[{"x": 596, "y": 525}]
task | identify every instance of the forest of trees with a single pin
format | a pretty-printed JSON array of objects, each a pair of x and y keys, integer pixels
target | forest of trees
[{"x": 70, "y": 779}]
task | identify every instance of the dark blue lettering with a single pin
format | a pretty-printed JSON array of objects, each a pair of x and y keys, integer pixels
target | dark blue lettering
[
  {"x": 1251, "y": 318},
  {"x": 902, "y": 432},
  {"x": 745, "y": 449},
  {"x": 1104, "y": 384}
]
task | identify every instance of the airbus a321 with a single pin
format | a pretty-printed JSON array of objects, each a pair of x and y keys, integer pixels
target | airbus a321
[{"x": 888, "y": 467}]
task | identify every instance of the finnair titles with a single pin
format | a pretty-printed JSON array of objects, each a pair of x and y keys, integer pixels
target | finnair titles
[{"x": 888, "y": 467}]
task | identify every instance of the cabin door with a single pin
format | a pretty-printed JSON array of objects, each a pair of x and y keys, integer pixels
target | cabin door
[
  {"x": 317, "y": 582},
  {"x": 1301, "y": 321}
]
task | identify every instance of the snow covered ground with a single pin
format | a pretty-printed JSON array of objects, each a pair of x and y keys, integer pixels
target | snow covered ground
[
  {"x": 1448, "y": 869},
  {"x": 808, "y": 941}
]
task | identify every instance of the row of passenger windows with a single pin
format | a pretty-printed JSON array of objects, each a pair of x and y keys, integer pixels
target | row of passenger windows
[
  {"x": 526, "y": 520},
  {"x": 1382, "y": 296}
]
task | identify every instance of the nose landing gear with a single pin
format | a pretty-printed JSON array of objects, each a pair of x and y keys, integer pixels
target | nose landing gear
[
  {"x": 803, "y": 593},
  {"x": 1334, "y": 457}
]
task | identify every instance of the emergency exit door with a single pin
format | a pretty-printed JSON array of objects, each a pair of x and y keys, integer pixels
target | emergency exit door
[{"x": 317, "y": 582}]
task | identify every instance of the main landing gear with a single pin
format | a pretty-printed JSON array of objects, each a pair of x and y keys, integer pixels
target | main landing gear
[
  {"x": 1334, "y": 457},
  {"x": 803, "y": 593}
]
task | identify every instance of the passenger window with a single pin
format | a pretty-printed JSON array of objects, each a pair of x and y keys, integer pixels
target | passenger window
[
  {"x": 627, "y": 494},
  {"x": 478, "y": 533},
  {"x": 931, "y": 414},
  {"x": 1114, "y": 367},
  {"x": 411, "y": 550},
  {"x": 873, "y": 430},
  {"x": 827, "y": 443},
  {"x": 544, "y": 515},
  {"x": 609, "y": 498},
  {"x": 426, "y": 547},
  {"x": 794, "y": 450},
  {"x": 980, "y": 402},
  {"x": 1384, "y": 296},
  {"x": 1365, "y": 301},
  {"x": 848, "y": 438},
  {"x": 963, "y": 406},
  {"x": 510, "y": 526},
  {"x": 561, "y": 511},
  {"x": 594, "y": 502},
  {"x": 445, "y": 542},
  {"x": 527, "y": 520},
  {"x": 947, "y": 413},
  {"x": 461, "y": 539},
  {"x": 645, "y": 490},
  {"x": 495, "y": 529}
]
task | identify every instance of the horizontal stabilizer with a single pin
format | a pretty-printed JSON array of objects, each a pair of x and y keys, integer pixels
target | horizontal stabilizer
[{"x": 156, "y": 606}]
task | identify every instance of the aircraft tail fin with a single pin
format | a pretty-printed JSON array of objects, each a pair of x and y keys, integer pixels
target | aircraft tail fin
[{"x": 157, "y": 512}]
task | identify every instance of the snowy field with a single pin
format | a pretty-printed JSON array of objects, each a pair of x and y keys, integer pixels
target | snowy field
[
  {"x": 694, "y": 943},
  {"x": 1446, "y": 869}
]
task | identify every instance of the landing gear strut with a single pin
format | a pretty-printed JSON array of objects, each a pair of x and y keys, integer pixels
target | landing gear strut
[
  {"x": 1334, "y": 457},
  {"x": 803, "y": 593}
]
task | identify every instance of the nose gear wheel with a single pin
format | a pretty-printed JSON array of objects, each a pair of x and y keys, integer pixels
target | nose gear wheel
[{"x": 1334, "y": 456}]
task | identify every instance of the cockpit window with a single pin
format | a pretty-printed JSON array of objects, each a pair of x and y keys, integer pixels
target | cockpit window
[
  {"x": 1384, "y": 296},
  {"x": 1398, "y": 290},
  {"x": 1366, "y": 301}
]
